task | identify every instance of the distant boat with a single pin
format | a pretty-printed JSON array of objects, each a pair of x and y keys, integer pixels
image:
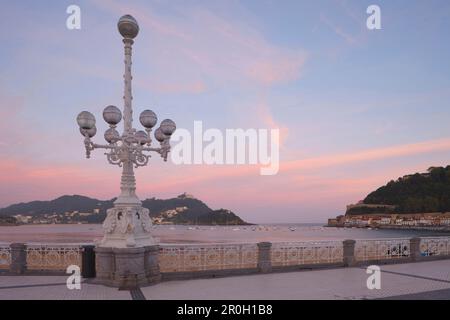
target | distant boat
[
  {"x": 236, "y": 229},
  {"x": 190, "y": 228},
  {"x": 292, "y": 229}
]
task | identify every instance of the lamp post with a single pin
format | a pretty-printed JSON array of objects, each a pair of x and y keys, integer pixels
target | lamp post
[{"x": 127, "y": 224}]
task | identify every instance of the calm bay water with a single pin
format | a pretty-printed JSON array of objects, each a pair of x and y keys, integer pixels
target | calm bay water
[{"x": 202, "y": 234}]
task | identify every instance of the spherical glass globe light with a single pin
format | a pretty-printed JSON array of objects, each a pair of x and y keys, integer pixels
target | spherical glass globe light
[
  {"x": 111, "y": 135},
  {"x": 112, "y": 115},
  {"x": 128, "y": 27},
  {"x": 86, "y": 120},
  {"x": 90, "y": 132},
  {"x": 159, "y": 135},
  {"x": 148, "y": 119},
  {"x": 168, "y": 127},
  {"x": 141, "y": 137}
]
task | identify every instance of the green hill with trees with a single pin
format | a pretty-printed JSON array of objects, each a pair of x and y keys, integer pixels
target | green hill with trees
[{"x": 416, "y": 193}]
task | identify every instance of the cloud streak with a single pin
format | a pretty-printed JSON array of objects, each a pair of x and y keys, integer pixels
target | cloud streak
[{"x": 198, "y": 43}]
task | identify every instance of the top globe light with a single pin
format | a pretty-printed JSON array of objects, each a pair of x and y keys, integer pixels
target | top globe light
[
  {"x": 86, "y": 120},
  {"x": 128, "y": 27},
  {"x": 112, "y": 115},
  {"x": 148, "y": 119}
]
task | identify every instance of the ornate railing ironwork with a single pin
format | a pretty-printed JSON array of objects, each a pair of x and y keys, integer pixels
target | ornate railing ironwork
[
  {"x": 435, "y": 246},
  {"x": 226, "y": 256},
  {"x": 5, "y": 256},
  {"x": 382, "y": 249},
  {"x": 304, "y": 253},
  {"x": 196, "y": 257},
  {"x": 53, "y": 257}
]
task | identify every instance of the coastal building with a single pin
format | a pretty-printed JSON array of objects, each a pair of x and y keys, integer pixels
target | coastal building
[
  {"x": 85, "y": 214},
  {"x": 22, "y": 219},
  {"x": 433, "y": 219}
]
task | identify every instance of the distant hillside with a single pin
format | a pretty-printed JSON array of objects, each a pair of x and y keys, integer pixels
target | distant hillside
[
  {"x": 416, "y": 193},
  {"x": 220, "y": 217},
  {"x": 183, "y": 209},
  {"x": 195, "y": 207},
  {"x": 58, "y": 205}
]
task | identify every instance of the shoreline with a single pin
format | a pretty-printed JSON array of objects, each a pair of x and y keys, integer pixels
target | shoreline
[
  {"x": 443, "y": 229},
  {"x": 57, "y": 233}
]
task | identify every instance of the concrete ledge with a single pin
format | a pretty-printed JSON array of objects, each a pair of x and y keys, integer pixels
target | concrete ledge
[
  {"x": 276, "y": 269},
  {"x": 383, "y": 261},
  {"x": 206, "y": 274},
  {"x": 432, "y": 258}
]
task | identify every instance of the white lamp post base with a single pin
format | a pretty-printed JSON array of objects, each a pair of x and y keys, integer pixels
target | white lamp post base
[
  {"x": 127, "y": 256},
  {"x": 127, "y": 226}
]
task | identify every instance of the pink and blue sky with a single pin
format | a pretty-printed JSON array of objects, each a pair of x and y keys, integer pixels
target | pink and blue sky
[{"x": 356, "y": 107}]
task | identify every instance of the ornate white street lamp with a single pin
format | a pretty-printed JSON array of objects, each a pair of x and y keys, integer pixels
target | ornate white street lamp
[{"x": 127, "y": 224}]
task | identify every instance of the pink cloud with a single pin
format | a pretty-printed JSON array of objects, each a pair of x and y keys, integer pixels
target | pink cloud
[
  {"x": 54, "y": 179},
  {"x": 225, "y": 51},
  {"x": 369, "y": 155},
  {"x": 191, "y": 175}
]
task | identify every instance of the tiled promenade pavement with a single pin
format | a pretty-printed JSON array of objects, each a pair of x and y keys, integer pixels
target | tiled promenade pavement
[
  {"x": 424, "y": 280},
  {"x": 54, "y": 288}
]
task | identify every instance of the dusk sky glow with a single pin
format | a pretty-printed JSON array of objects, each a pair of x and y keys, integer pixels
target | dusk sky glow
[{"x": 355, "y": 107}]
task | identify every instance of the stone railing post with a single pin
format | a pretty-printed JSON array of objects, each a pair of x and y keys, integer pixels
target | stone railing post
[
  {"x": 88, "y": 261},
  {"x": 129, "y": 270},
  {"x": 18, "y": 258},
  {"x": 151, "y": 264},
  {"x": 349, "y": 253},
  {"x": 104, "y": 265},
  {"x": 414, "y": 247},
  {"x": 264, "y": 257}
]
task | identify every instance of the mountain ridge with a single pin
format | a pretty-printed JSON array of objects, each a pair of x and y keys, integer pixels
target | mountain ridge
[{"x": 183, "y": 209}]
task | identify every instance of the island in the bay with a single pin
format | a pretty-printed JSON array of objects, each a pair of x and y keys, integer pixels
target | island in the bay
[
  {"x": 415, "y": 201},
  {"x": 184, "y": 209}
]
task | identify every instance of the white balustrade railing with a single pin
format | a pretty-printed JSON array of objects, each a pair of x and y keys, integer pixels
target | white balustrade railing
[
  {"x": 304, "y": 253},
  {"x": 53, "y": 257},
  {"x": 203, "y": 257},
  {"x": 382, "y": 249},
  {"x": 435, "y": 246},
  {"x": 5, "y": 256}
]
